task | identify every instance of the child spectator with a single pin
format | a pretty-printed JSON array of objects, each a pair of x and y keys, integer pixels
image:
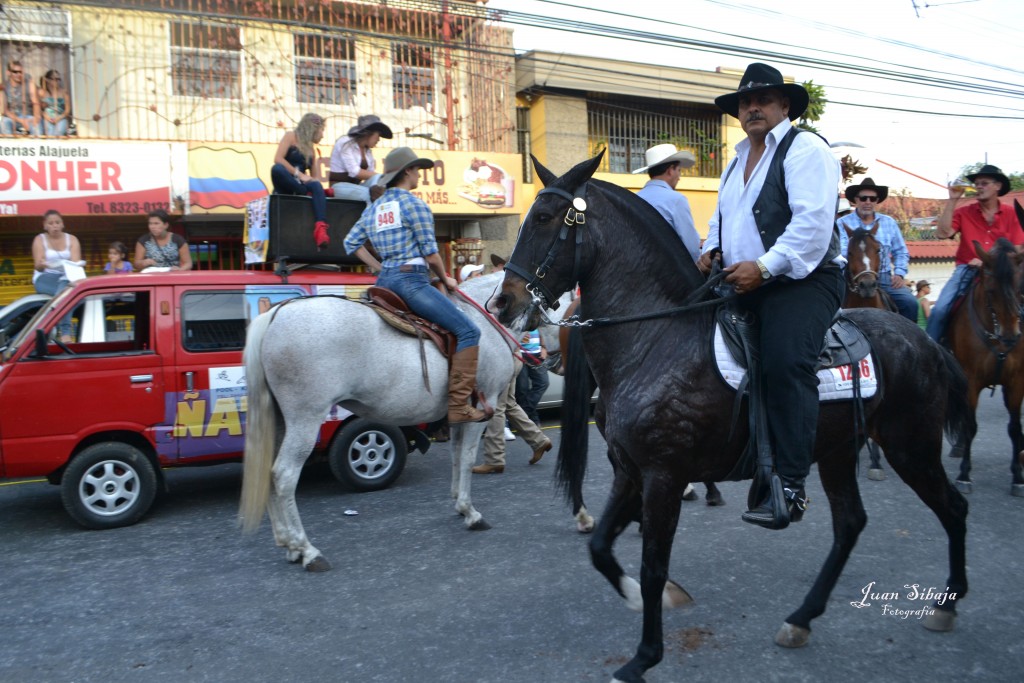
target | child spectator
[{"x": 117, "y": 259}]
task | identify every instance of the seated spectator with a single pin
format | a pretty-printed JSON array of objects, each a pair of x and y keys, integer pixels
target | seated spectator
[
  {"x": 54, "y": 101},
  {"x": 50, "y": 249},
  {"x": 117, "y": 259},
  {"x": 353, "y": 168},
  {"x": 20, "y": 103},
  {"x": 293, "y": 172},
  {"x": 161, "y": 248}
]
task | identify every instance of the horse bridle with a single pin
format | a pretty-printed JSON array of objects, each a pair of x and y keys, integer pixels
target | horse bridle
[
  {"x": 1001, "y": 346},
  {"x": 545, "y": 298},
  {"x": 574, "y": 216}
]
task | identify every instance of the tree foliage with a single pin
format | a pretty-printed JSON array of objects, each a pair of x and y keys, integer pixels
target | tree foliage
[
  {"x": 1016, "y": 179},
  {"x": 815, "y": 106}
]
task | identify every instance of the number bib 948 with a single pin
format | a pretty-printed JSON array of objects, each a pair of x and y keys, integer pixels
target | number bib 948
[{"x": 388, "y": 216}]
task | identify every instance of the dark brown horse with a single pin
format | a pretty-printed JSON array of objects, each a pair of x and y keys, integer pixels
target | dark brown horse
[
  {"x": 985, "y": 336},
  {"x": 864, "y": 259},
  {"x": 666, "y": 417},
  {"x": 571, "y": 347}
]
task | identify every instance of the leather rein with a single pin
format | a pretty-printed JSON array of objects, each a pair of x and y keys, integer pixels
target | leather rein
[{"x": 543, "y": 297}]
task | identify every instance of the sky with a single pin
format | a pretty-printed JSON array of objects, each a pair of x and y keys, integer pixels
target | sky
[{"x": 958, "y": 42}]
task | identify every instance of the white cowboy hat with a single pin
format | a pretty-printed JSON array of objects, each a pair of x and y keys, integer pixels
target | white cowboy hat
[
  {"x": 469, "y": 269},
  {"x": 664, "y": 154}
]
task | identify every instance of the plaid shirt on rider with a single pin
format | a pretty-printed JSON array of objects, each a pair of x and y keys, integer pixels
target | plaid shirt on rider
[
  {"x": 893, "y": 257},
  {"x": 415, "y": 239}
]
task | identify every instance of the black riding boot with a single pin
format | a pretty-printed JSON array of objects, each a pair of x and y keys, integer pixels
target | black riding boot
[{"x": 783, "y": 501}]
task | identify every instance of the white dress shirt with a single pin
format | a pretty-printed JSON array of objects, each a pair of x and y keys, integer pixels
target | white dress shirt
[{"x": 812, "y": 182}]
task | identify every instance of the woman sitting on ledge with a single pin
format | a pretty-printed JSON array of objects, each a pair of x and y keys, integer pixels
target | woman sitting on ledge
[{"x": 293, "y": 171}]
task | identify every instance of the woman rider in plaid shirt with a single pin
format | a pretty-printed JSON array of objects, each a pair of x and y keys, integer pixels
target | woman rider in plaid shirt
[{"x": 401, "y": 228}]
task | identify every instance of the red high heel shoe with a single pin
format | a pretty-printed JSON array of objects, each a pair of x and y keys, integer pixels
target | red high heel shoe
[{"x": 320, "y": 235}]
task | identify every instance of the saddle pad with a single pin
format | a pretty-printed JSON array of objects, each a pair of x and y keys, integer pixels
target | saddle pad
[{"x": 834, "y": 384}]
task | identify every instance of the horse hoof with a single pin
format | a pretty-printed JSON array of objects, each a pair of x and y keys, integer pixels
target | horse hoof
[
  {"x": 964, "y": 486},
  {"x": 956, "y": 452},
  {"x": 876, "y": 474},
  {"x": 674, "y": 596},
  {"x": 585, "y": 526},
  {"x": 792, "y": 636},
  {"x": 939, "y": 620},
  {"x": 715, "y": 500},
  {"x": 1017, "y": 490},
  {"x": 318, "y": 565},
  {"x": 690, "y": 493},
  {"x": 479, "y": 525}
]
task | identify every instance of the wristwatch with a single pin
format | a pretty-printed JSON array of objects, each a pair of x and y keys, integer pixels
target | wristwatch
[{"x": 765, "y": 275}]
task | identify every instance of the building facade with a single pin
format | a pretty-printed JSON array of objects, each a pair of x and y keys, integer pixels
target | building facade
[{"x": 180, "y": 104}]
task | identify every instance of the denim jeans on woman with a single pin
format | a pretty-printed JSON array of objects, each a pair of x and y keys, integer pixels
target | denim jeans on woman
[
  {"x": 427, "y": 302},
  {"x": 52, "y": 284},
  {"x": 285, "y": 183}
]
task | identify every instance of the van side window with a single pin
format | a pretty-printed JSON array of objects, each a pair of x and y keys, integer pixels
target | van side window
[
  {"x": 105, "y": 323},
  {"x": 214, "y": 321}
]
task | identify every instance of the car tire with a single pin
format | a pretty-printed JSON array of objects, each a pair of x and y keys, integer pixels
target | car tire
[
  {"x": 109, "y": 485},
  {"x": 368, "y": 456}
]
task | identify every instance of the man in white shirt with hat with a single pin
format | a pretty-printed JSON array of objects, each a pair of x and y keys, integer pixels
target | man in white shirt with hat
[{"x": 665, "y": 166}]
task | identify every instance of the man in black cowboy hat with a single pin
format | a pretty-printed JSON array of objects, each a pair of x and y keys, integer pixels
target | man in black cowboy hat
[
  {"x": 894, "y": 257},
  {"x": 774, "y": 229},
  {"x": 984, "y": 221},
  {"x": 353, "y": 169}
]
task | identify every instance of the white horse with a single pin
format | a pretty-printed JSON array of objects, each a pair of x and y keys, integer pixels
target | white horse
[{"x": 304, "y": 356}]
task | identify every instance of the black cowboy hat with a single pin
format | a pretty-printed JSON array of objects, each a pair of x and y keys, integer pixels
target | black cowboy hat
[
  {"x": 867, "y": 184},
  {"x": 992, "y": 172},
  {"x": 368, "y": 123},
  {"x": 759, "y": 77}
]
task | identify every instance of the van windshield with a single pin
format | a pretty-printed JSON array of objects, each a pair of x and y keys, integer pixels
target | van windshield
[{"x": 28, "y": 329}]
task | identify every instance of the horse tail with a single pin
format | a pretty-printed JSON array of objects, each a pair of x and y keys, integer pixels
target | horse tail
[
  {"x": 961, "y": 423},
  {"x": 572, "y": 449},
  {"x": 260, "y": 430}
]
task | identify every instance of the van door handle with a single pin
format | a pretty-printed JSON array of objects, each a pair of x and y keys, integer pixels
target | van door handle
[
  {"x": 190, "y": 381},
  {"x": 141, "y": 379}
]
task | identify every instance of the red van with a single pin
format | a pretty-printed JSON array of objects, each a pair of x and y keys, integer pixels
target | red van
[{"x": 153, "y": 378}]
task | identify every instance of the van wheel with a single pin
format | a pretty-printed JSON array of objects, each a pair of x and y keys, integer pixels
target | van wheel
[
  {"x": 368, "y": 456},
  {"x": 108, "y": 485}
]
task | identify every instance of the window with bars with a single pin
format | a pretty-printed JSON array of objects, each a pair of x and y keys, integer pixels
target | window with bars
[
  {"x": 39, "y": 38},
  {"x": 628, "y": 128},
  {"x": 523, "y": 141},
  {"x": 412, "y": 76},
  {"x": 325, "y": 70},
  {"x": 206, "y": 60}
]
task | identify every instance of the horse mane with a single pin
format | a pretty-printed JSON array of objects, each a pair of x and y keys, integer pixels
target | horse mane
[
  {"x": 1004, "y": 270},
  {"x": 666, "y": 247}
]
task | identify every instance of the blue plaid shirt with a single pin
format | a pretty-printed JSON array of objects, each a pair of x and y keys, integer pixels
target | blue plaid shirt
[
  {"x": 894, "y": 257},
  {"x": 399, "y": 225}
]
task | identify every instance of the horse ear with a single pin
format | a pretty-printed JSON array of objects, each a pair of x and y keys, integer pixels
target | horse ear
[
  {"x": 980, "y": 251},
  {"x": 583, "y": 171},
  {"x": 849, "y": 233},
  {"x": 546, "y": 176},
  {"x": 874, "y": 230}
]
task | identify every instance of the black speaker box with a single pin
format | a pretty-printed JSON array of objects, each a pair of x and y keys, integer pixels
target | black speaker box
[{"x": 290, "y": 221}]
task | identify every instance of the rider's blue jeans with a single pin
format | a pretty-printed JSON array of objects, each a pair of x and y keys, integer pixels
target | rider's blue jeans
[
  {"x": 427, "y": 302},
  {"x": 940, "y": 309}
]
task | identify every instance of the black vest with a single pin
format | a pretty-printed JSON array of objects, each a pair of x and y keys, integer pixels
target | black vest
[{"x": 771, "y": 209}]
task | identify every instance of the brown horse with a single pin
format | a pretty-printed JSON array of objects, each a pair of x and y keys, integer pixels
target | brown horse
[
  {"x": 666, "y": 418},
  {"x": 864, "y": 258},
  {"x": 985, "y": 336}
]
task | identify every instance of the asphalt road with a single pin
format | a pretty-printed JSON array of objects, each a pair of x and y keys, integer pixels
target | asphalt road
[{"x": 182, "y": 596}]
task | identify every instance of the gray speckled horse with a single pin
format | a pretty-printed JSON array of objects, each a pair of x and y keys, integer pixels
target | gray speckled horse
[{"x": 303, "y": 357}]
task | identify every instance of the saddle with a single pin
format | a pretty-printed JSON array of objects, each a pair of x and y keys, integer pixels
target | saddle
[
  {"x": 393, "y": 310},
  {"x": 843, "y": 344}
]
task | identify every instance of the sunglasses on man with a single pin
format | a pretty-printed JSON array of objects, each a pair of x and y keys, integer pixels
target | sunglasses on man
[{"x": 867, "y": 198}]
